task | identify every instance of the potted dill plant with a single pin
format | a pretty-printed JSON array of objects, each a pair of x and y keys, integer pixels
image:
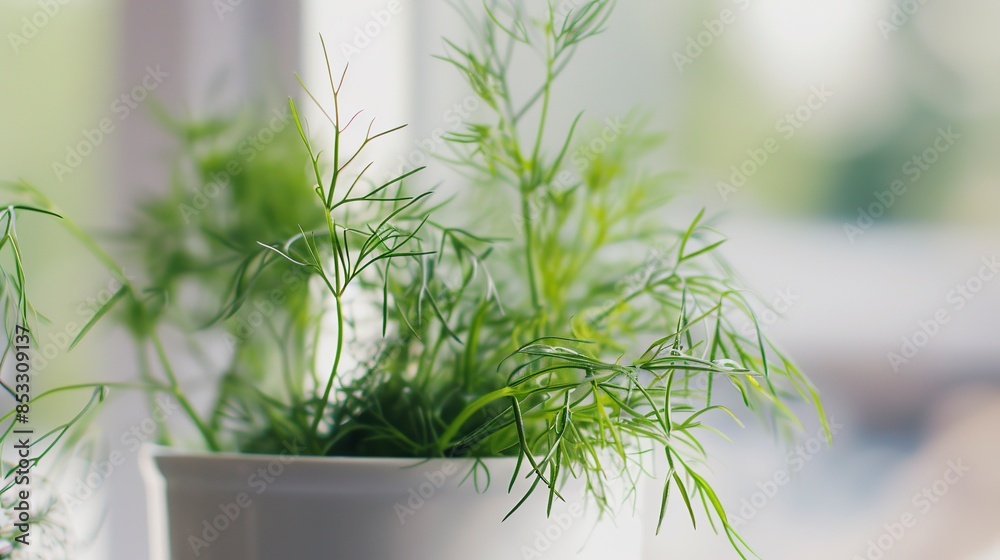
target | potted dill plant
[
  {"x": 34, "y": 522},
  {"x": 402, "y": 381}
]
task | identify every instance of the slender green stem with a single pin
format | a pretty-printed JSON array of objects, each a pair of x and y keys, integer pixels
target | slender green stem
[
  {"x": 425, "y": 366},
  {"x": 527, "y": 188},
  {"x": 146, "y": 372},
  {"x": 178, "y": 393},
  {"x": 452, "y": 430},
  {"x": 336, "y": 127},
  {"x": 336, "y": 365},
  {"x": 542, "y": 121},
  {"x": 333, "y": 245},
  {"x": 529, "y": 251}
]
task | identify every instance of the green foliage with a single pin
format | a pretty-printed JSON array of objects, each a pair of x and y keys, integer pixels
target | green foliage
[
  {"x": 578, "y": 387},
  {"x": 392, "y": 327},
  {"x": 19, "y": 318}
]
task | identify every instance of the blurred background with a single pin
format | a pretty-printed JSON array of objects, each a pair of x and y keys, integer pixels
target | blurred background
[{"x": 848, "y": 147}]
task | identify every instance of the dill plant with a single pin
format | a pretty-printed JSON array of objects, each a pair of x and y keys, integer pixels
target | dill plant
[
  {"x": 48, "y": 536},
  {"x": 547, "y": 343},
  {"x": 578, "y": 385}
]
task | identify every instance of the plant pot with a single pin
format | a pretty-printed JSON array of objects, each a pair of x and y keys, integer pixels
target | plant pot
[{"x": 278, "y": 507}]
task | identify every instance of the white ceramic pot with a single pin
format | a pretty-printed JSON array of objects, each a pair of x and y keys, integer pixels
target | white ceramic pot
[{"x": 281, "y": 507}]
